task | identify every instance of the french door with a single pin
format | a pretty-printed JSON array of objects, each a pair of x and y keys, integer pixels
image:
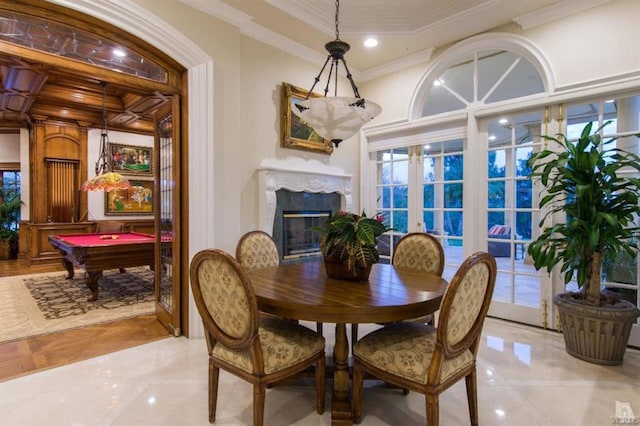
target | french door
[
  {"x": 168, "y": 216},
  {"x": 457, "y": 189},
  {"x": 521, "y": 293},
  {"x": 419, "y": 188}
]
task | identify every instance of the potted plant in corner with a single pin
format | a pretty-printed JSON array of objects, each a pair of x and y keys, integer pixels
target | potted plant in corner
[
  {"x": 584, "y": 184},
  {"x": 10, "y": 205},
  {"x": 348, "y": 244}
]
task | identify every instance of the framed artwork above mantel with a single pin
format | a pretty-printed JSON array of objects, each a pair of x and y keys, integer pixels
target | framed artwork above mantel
[{"x": 296, "y": 133}]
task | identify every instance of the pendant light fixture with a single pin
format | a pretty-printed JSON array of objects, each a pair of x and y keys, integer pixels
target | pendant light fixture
[
  {"x": 336, "y": 117},
  {"x": 105, "y": 179}
]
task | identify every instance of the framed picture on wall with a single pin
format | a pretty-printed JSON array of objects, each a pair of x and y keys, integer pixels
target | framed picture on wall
[
  {"x": 131, "y": 160},
  {"x": 137, "y": 200},
  {"x": 295, "y": 132}
]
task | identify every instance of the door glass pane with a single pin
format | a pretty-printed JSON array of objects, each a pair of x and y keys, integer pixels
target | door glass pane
[
  {"x": 165, "y": 133},
  {"x": 511, "y": 217},
  {"x": 442, "y": 191},
  {"x": 392, "y": 188}
]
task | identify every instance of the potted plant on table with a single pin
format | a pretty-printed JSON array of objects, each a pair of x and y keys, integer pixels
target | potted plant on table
[
  {"x": 10, "y": 205},
  {"x": 584, "y": 181},
  {"x": 348, "y": 244}
]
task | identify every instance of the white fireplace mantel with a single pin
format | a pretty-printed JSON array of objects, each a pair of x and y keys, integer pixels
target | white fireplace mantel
[{"x": 298, "y": 175}]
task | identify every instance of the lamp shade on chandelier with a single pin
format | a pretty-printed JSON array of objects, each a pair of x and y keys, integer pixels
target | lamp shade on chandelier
[
  {"x": 105, "y": 179},
  {"x": 336, "y": 118}
]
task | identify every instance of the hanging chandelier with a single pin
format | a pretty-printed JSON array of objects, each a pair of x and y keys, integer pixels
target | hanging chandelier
[
  {"x": 336, "y": 117},
  {"x": 105, "y": 179}
]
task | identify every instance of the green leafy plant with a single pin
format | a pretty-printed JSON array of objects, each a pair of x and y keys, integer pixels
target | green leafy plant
[
  {"x": 583, "y": 181},
  {"x": 10, "y": 204},
  {"x": 351, "y": 238}
]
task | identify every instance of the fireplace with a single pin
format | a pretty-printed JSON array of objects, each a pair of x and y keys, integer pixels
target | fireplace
[
  {"x": 298, "y": 240},
  {"x": 295, "y": 214},
  {"x": 308, "y": 190}
]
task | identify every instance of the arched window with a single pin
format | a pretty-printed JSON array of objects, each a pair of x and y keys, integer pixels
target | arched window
[{"x": 482, "y": 70}]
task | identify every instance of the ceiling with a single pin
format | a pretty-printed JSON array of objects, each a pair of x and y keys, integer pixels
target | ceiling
[
  {"x": 408, "y": 32},
  {"x": 32, "y": 91}
]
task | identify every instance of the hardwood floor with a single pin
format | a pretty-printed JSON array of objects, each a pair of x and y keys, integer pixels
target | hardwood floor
[{"x": 52, "y": 350}]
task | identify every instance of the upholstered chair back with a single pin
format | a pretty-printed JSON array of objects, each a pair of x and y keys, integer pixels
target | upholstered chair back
[
  {"x": 465, "y": 304},
  {"x": 256, "y": 249},
  {"x": 419, "y": 251},
  {"x": 418, "y": 357},
  {"x": 224, "y": 298},
  {"x": 260, "y": 351}
]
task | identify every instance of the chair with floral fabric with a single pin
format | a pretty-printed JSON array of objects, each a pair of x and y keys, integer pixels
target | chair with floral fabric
[
  {"x": 429, "y": 360},
  {"x": 261, "y": 351},
  {"x": 256, "y": 249},
  {"x": 420, "y": 251}
]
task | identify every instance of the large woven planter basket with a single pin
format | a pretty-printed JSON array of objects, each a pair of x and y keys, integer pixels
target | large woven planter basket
[{"x": 596, "y": 334}]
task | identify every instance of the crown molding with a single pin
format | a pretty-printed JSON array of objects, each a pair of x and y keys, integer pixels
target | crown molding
[
  {"x": 421, "y": 57},
  {"x": 554, "y": 12}
]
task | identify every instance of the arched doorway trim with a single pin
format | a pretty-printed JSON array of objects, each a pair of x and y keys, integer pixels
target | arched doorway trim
[{"x": 143, "y": 24}]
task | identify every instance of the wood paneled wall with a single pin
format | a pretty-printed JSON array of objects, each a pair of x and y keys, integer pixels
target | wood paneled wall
[
  {"x": 34, "y": 237},
  {"x": 52, "y": 143}
]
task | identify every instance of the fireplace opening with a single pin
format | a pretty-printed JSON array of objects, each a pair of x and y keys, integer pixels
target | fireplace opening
[{"x": 298, "y": 240}]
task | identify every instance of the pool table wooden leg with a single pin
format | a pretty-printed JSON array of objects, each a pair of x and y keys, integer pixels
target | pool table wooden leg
[
  {"x": 91, "y": 278},
  {"x": 69, "y": 267}
]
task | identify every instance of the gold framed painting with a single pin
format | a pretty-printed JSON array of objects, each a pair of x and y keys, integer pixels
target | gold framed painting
[
  {"x": 295, "y": 132},
  {"x": 137, "y": 200},
  {"x": 131, "y": 160}
]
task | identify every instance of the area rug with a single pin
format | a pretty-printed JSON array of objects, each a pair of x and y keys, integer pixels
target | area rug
[{"x": 32, "y": 305}]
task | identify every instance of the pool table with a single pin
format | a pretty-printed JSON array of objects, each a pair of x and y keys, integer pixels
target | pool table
[{"x": 95, "y": 253}]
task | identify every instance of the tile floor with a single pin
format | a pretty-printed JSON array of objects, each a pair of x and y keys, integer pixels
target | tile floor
[{"x": 525, "y": 378}]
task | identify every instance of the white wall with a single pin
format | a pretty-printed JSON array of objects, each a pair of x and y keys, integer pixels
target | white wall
[
  {"x": 246, "y": 113},
  {"x": 9, "y": 147},
  {"x": 95, "y": 199}
]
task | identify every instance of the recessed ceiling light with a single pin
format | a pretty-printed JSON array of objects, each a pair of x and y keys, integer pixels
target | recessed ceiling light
[
  {"x": 371, "y": 42},
  {"x": 119, "y": 53}
]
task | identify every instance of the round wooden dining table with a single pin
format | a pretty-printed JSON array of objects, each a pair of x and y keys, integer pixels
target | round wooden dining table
[{"x": 303, "y": 291}]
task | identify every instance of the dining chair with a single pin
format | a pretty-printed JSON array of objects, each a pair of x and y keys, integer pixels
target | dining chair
[
  {"x": 419, "y": 251},
  {"x": 429, "y": 360},
  {"x": 261, "y": 351},
  {"x": 109, "y": 226},
  {"x": 256, "y": 249}
]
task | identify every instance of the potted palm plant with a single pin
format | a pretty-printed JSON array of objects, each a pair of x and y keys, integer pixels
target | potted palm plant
[
  {"x": 348, "y": 244},
  {"x": 595, "y": 188},
  {"x": 10, "y": 205}
]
